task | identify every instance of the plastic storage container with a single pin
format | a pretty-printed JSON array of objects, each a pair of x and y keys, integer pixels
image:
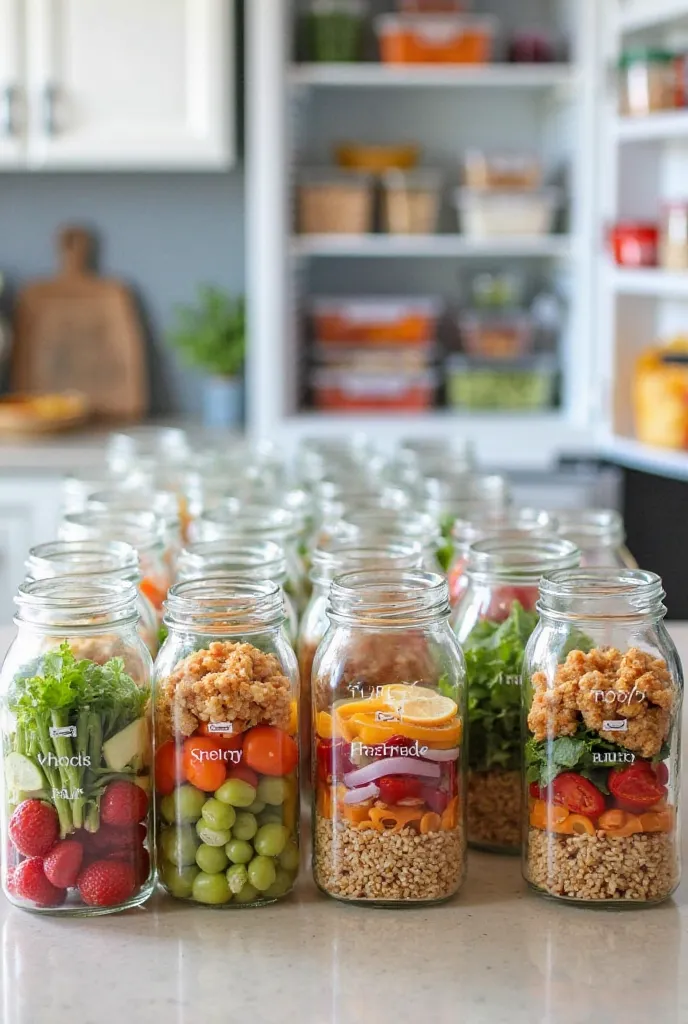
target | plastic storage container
[
  {"x": 331, "y": 202},
  {"x": 76, "y": 799},
  {"x": 493, "y": 622},
  {"x": 227, "y": 754},
  {"x": 370, "y": 320},
  {"x": 361, "y": 156},
  {"x": 673, "y": 242},
  {"x": 495, "y": 334},
  {"x": 649, "y": 82},
  {"x": 660, "y": 396},
  {"x": 511, "y": 172},
  {"x": 376, "y": 358},
  {"x": 435, "y": 39},
  {"x": 635, "y": 244},
  {"x": 487, "y": 213},
  {"x": 602, "y": 694},
  {"x": 334, "y": 30},
  {"x": 411, "y": 202},
  {"x": 433, "y": 6},
  {"x": 344, "y": 391},
  {"x": 523, "y": 385},
  {"x": 389, "y": 714}
]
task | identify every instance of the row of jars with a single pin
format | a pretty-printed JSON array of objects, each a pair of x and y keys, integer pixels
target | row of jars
[{"x": 414, "y": 745}]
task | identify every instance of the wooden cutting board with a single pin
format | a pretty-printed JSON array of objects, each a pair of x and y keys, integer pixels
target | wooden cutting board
[{"x": 81, "y": 332}]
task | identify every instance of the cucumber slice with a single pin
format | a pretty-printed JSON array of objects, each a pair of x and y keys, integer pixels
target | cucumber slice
[{"x": 22, "y": 774}]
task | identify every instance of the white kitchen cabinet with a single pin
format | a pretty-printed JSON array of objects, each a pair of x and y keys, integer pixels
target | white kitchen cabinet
[
  {"x": 12, "y": 92},
  {"x": 29, "y": 515}
]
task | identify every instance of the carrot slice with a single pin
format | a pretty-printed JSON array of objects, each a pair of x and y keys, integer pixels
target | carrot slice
[
  {"x": 631, "y": 826},
  {"x": 358, "y": 813},
  {"x": 395, "y": 818},
  {"x": 615, "y": 818},
  {"x": 450, "y": 815},
  {"x": 324, "y": 726},
  {"x": 430, "y": 822},
  {"x": 575, "y": 825}
]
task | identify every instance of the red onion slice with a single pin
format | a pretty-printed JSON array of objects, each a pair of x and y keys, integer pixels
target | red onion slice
[
  {"x": 441, "y": 755},
  {"x": 391, "y": 766},
  {"x": 357, "y": 796}
]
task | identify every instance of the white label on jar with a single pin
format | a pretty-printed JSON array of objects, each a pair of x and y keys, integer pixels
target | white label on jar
[
  {"x": 615, "y": 725},
  {"x": 216, "y": 755},
  {"x": 62, "y": 730},
  {"x": 220, "y": 727},
  {"x": 53, "y": 761}
]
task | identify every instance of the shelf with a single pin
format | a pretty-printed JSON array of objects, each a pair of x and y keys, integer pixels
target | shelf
[
  {"x": 651, "y": 282},
  {"x": 634, "y": 454},
  {"x": 673, "y": 124},
  {"x": 468, "y": 76},
  {"x": 639, "y": 15},
  {"x": 430, "y": 246}
]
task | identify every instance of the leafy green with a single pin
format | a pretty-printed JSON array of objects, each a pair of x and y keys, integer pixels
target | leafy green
[
  {"x": 545, "y": 759},
  {"x": 65, "y": 711},
  {"x": 446, "y": 687},
  {"x": 445, "y": 556},
  {"x": 494, "y": 659},
  {"x": 212, "y": 334}
]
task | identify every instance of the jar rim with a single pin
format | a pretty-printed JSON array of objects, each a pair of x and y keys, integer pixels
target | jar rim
[
  {"x": 236, "y": 518},
  {"x": 605, "y": 526},
  {"x": 76, "y": 601},
  {"x": 503, "y": 522},
  {"x": 226, "y": 606},
  {"x": 143, "y": 530},
  {"x": 586, "y": 593},
  {"x": 524, "y": 558},
  {"x": 80, "y": 558},
  {"x": 162, "y": 503},
  {"x": 388, "y": 598},
  {"x": 409, "y": 523},
  {"x": 252, "y": 555},
  {"x": 338, "y": 556}
]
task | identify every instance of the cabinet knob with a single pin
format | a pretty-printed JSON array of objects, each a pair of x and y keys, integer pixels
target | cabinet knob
[
  {"x": 50, "y": 97},
  {"x": 8, "y": 111}
]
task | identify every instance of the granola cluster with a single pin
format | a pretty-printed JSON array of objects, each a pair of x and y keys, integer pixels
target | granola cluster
[
  {"x": 601, "y": 685},
  {"x": 226, "y": 682}
]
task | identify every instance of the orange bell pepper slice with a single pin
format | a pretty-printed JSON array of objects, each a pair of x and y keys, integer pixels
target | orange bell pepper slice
[
  {"x": 450, "y": 815},
  {"x": 357, "y": 813},
  {"x": 371, "y": 731},
  {"x": 430, "y": 822},
  {"x": 324, "y": 725},
  {"x": 547, "y": 816},
  {"x": 575, "y": 825},
  {"x": 293, "y": 726},
  {"x": 155, "y": 594},
  {"x": 658, "y": 821},
  {"x": 631, "y": 826},
  {"x": 615, "y": 818},
  {"x": 399, "y": 817}
]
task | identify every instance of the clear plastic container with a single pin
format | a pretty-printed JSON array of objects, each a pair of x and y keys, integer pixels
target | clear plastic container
[
  {"x": 490, "y": 214},
  {"x": 388, "y": 726},
  {"x": 388, "y": 320},
  {"x": 602, "y": 697},
  {"x": 76, "y": 804},
  {"x": 508, "y": 171},
  {"x": 599, "y": 533},
  {"x": 649, "y": 82},
  {"x": 493, "y": 622},
  {"x": 508, "y": 334},
  {"x": 528, "y": 384},
  {"x": 411, "y": 202},
  {"x": 344, "y": 391},
  {"x": 332, "y": 202},
  {"x": 227, "y": 754},
  {"x": 334, "y": 30},
  {"x": 95, "y": 560},
  {"x": 435, "y": 39}
]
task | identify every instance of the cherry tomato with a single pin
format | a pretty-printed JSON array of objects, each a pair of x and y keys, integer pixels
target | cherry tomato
[
  {"x": 333, "y": 759},
  {"x": 436, "y": 799},
  {"x": 270, "y": 751},
  {"x": 503, "y": 599},
  {"x": 536, "y": 791},
  {"x": 395, "y": 746},
  {"x": 394, "y": 788},
  {"x": 637, "y": 787},
  {"x": 204, "y": 763},
  {"x": 661, "y": 770},
  {"x": 243, "y": 772},
  {"x": 154, "y": 593},
  {"x": 169, "y": 770},
  {"x": 226, "y": 740},
  {"x": 578, "y": 794}
]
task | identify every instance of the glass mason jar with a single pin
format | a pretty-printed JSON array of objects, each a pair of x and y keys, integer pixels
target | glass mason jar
[
  {"x": 143, "y": 530},
  {"x": 227, "y": 755},
  {"x": 168, "y": 446},
  {"x": 382, "y": 525},
  {"x": 223, "y": 559},
  {"x": 77, "y": 755},
  {"x": 493, "y": 622},
  {"x": 600, "y": 535},
  {"x": 104, "y": 559},
  {"x": 236, "y": 521},
  {"x": 163, "y": 504},
  {"x": 78, "y": 488},
  {"x": 602, "y": 695},
  {"x": 510, "y": 522},
  {"x": 389, "y": 706}
]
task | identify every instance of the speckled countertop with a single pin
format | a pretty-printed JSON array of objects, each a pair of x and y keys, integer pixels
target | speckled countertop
[{"x": 495, "y": 955}]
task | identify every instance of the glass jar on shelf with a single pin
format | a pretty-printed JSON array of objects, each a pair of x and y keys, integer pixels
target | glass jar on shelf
[
  {"x": 227, "y": 755},
  {"x": 493, "y": 622},
  {"x": 95, "y": 560},
  {"x": 260, "y": 560},
  {"x": 143, "y": 530},
  {"x": 512, "y": 522},
  {"x": 75, "y": 696},
  {"x": 602, "y": 707},
  {"x": 600, "y": 535},
  {"x": 389, "y": 710}
]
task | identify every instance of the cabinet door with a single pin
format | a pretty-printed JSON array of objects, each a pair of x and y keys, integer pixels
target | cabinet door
[
  {"x": 29, "y": 515},
  {"x": 131, "y": 84},
  {"x": 12, "y": 84}
]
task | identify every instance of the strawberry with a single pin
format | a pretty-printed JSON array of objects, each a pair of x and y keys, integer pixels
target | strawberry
[
  {"x": 123, "y": 803},
  {"x": 63, "y": 864},
  {"x": 117, "y": 840},
  {"x": 10, "y": 882},
  {"x": 34, "y": 828},
  {"x": 30, "y": 883},
  {"x": 140, "y": 861},
  {"x": 105, "y": 883}
]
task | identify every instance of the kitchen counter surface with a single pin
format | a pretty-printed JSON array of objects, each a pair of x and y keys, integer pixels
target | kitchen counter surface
[{"x": 494, "y": 955}]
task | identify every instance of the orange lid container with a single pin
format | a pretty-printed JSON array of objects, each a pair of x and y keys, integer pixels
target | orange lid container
[{"x": 435, "y": 39}]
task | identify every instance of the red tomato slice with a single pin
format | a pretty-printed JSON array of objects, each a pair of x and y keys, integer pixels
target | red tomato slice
[
  {"x": 578, "y": 794},
  {"x": 394, "y": 788},
  {"x": 243, "y": 772},
  {"x": 661, "y": 770},
  {"x": 503, "y": 599},
  {"x": 637, "y": 787},
  {"x": 536, "y": 791},
  {"x": 226, "y": 740}
]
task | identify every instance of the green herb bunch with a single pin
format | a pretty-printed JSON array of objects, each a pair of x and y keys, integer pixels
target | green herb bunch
[{"x": 211, "y": 335}]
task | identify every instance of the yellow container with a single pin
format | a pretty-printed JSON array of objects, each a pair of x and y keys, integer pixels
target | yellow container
[
  {"x": 376, "y": 159},
  {"x": 660, "y": 396}
]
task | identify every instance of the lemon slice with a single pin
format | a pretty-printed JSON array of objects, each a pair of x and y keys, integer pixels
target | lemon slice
[{"x": 419, "y": 705}]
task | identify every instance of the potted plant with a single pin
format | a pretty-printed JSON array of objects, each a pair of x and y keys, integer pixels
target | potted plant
[{"x": 211, "y": 336}]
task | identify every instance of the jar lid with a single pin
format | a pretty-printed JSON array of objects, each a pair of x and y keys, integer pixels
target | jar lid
[{"x": 646, "y": 55}]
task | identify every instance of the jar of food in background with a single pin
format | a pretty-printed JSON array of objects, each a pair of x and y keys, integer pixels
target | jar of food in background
[
  {"x": 76, "y": 745},
  {"x": 603, "y": 691},
  {"x": 163, "y": 504},
  {"x": 649, "y": 81},
  {"x": 455, "y": 496},
  {"x": 143, "y": 530},
  {"x": 376, "y": 526},
  {"x": 334, "y": 30},
  {"x": 388, "y": 715},
  {"x": 227, "y": 755},
  {"x": 95, "y": 560},
  {"x": 600, "y": 535},
  {"x": 673, "y": 244},
  {"x": 219, "y": 559},
  {"x": 635, "y": 244},
  {"x": 493, "y": 622},
  {"x": 411, "y": 201},
  {"x": 510, "y": 524}
]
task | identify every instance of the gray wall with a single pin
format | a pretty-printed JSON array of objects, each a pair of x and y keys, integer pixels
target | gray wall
[{"x": 161, "y": 233}]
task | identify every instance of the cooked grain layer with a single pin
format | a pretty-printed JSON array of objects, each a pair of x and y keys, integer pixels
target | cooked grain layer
[{"x": 494, "y": 808}]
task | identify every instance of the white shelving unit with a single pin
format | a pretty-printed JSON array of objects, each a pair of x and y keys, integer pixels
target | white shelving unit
[{"x": 618, "y": 168}]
